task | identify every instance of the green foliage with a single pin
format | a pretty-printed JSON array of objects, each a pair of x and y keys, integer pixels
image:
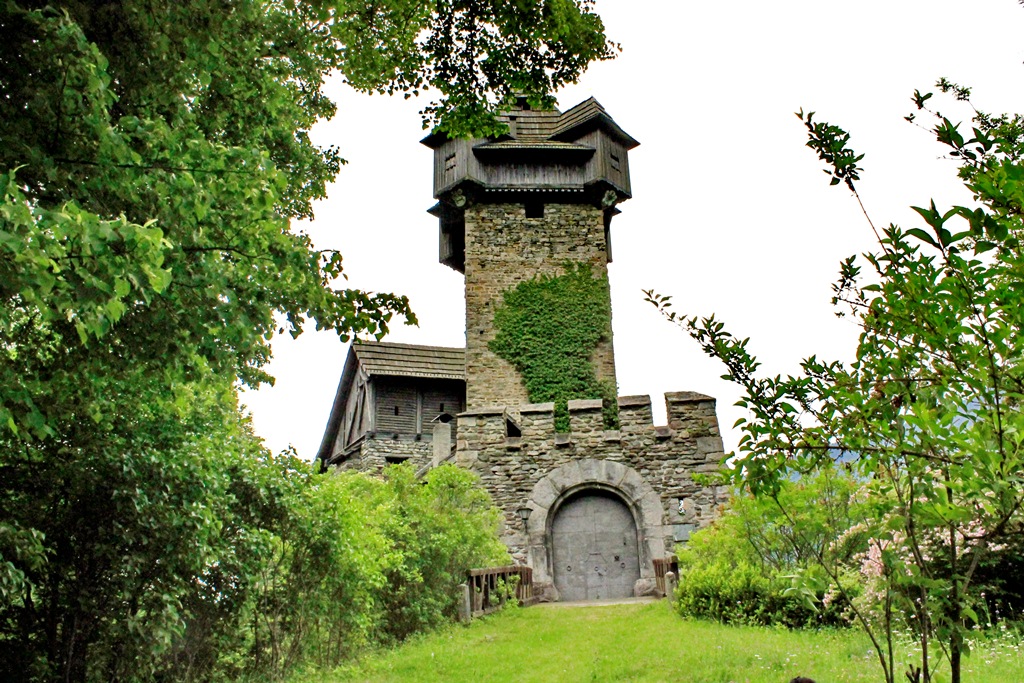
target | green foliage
[
  {"x": 359, "y": 561},
  {"x": 440, "y": 528},
  {"x": 124, "y": 522},
  {"x": 757, "y": 563},
  {"x": 741, "y": 594},
  {"x": 240, "y": 564},
  {"x": 152, "y": 157},
  {"x": 929, "y": 412},
  {"x": 548, "y": 328},
  {"x": 479, "y": 54}
]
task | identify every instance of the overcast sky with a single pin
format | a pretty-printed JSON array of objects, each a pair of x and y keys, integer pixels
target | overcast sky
[{"x": 730, "y": 214}]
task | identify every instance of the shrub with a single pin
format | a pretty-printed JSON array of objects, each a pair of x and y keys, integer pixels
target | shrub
[
  {"x": 314, "y": 568},
  {"x": 758, "y": 565}
]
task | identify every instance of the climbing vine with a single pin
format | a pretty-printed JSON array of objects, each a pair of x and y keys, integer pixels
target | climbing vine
[{"x": 548, "y": 329}]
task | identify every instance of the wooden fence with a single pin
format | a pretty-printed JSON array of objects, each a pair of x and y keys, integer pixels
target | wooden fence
[
  {"x": 663, "y": 566},
  {"x": 487, "y": 587}
]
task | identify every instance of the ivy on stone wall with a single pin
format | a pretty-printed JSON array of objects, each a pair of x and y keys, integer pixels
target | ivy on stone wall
[{"x": 548, "y": 329}]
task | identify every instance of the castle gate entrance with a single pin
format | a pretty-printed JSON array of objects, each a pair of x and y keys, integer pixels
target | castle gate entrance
[{"x": 594, "y": 547}]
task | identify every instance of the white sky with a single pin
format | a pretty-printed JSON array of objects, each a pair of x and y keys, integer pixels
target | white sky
[{"x": 730, "y": 214}]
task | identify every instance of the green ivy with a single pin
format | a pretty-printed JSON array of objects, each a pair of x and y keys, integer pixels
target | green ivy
[{"x": 548, "y": 329}]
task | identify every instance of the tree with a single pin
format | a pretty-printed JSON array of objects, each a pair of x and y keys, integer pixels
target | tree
[
  {"x": 929, "y": 412},
  {"x": 152, "y": 156}
]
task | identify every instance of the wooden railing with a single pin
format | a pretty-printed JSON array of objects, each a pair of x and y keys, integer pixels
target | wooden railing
[
  {"x": 488, "y": 587},
  {"x": 663, "y": 566}
]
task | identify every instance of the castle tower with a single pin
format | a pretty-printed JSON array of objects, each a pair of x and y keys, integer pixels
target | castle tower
[
  {"x": 531, "y": 203},
  {"x": 594, "y": 495}
]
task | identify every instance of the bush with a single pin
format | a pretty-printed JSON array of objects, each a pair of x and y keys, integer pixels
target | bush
[
  {"x": 201, "y": 557},
  {"x": 756, "y": 565},
  {"x": 741, "y": 594},
  {"x": 314, "y": 568},
  {"x": 439, "y": 528}
]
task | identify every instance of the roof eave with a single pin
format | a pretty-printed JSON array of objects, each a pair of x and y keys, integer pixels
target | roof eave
[
  {"x": 598, "y": 120},
  {"x": 337, "y": 409}
]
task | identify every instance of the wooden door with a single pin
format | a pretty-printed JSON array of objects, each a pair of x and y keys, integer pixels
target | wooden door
[{"x": 594, "y": 547}]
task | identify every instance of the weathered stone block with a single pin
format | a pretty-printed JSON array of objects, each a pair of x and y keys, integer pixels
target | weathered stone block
[
  {"x": 585, "y": 404},
  {"x": 709, "y": 445},
  {"x": 645, "y": 587},
  {"x": 592, "y": 470}
]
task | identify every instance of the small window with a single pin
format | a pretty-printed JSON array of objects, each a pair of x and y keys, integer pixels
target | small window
[
  {"x": 441, "y": 409},
  {"x": 615, "y": 161},
  {"x": 534, "y": 209},
  {"x": 396, "y": 410},
  {"x": 394, "y": 459},
  {"x": 449, "y": 162},
  {"x": 512, "y": 429}
]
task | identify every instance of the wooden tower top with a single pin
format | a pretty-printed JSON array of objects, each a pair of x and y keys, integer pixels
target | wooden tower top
[{"x": 579, "y": 156}]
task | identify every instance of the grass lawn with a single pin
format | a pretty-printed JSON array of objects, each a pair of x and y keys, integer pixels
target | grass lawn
[{"x": 641, "y": 642}]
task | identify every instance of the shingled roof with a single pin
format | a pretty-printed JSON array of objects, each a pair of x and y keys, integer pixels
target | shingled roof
[
  {"x": 532, "y": 126},
  {"x": 410, "y": 360}
]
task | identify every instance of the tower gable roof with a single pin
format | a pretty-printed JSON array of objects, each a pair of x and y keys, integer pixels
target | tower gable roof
[
  {"x": 410, "y": 360},
  {"x": 538, "y": 126}
]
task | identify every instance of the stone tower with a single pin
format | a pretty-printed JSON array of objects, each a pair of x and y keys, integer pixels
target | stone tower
[
  {"x": 592, "y": 506},
  {"x": 524, "y": 205}
]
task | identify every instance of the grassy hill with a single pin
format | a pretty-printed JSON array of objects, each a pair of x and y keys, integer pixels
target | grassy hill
[{"x": 641, "y": 642}]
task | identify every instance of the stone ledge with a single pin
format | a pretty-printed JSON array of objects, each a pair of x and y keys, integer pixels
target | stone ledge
[
  {"x": 687, "y": 397},
  {"x": 513, "y": 443},
  {"x": 537, "y": 408},
  {"x": 582, "y": 404},
  {"x": 485, "y": 411},
  {"x": 611, "y": 435},
  {"x": 634, "y": 401},
  {"x": 563, "y": 440},
  {"x": 662, "y": 432}
]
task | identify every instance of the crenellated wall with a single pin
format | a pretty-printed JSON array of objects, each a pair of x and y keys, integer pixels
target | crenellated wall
[{"x": 649, "y": 467}]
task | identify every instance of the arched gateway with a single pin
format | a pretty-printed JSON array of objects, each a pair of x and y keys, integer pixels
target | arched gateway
[{"x": 594, "y": 529}]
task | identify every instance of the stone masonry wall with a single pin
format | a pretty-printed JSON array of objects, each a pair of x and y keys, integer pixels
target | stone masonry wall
[
  {"x": 504, "y": 248},
  {"x": 374, "y": 450},
  {"x": 665, "y": 457}
]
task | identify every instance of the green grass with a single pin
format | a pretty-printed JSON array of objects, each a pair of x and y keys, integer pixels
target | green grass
[{"x": 641, "y": 642}]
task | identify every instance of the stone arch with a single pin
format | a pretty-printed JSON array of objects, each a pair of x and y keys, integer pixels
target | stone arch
[{"x": 569, "y": 480}]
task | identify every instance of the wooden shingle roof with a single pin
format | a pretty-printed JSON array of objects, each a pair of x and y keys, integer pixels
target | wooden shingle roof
[
  {"x": 410, "y": 360},
  {"x": 551, "y": 126},
  {"x": 589, "y": 113}
]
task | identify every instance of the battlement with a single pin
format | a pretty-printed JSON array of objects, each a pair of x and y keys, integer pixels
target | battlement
[{"x": 691, "y": 417}]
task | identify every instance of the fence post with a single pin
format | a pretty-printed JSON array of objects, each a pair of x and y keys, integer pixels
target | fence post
[
  {"x": 670, "y": 585},
  {"x": 465, "y": 606}
]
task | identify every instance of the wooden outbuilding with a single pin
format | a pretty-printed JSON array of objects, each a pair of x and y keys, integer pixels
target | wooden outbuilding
[{"x": 390, "y": 399}]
